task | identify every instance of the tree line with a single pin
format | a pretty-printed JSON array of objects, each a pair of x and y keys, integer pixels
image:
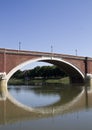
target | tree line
[{"x": 40, "y": 72}]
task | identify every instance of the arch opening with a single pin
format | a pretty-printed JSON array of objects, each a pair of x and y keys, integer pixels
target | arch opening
[{"x": 76, "y": 76}]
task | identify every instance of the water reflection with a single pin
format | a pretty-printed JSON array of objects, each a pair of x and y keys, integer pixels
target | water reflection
[
  {"x": 36, "y": 96},
  {"x": 70, "y": 101}
]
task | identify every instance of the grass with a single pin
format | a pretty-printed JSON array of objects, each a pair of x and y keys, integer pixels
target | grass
[
  {"x": 39, "y": 81},
  {"x": 63, "y": 80},
  {"x": 15, "y": 82}
]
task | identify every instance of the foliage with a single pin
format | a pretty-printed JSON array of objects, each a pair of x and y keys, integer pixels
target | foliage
[{"x": 40, "y": 72}]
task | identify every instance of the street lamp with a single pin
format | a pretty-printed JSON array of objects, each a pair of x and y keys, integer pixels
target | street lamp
[
  {"x": 19, "y": 45},
  {"x": 51, "y": 51},
  {"x": 76, "y": 52}
]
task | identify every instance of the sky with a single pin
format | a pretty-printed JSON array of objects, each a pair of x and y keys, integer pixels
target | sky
[{"x": 66, "y": 25}]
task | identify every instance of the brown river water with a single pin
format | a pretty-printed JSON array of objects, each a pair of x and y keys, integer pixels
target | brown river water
[{"x": 54, "y": 107}]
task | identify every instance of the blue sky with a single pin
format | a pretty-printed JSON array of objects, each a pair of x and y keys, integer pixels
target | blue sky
[{"x": 38, "y": 24}]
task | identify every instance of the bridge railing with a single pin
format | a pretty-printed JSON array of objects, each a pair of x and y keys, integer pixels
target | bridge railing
[{"x": 37, "y": 53}]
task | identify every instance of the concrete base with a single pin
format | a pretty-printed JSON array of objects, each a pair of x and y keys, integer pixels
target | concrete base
[
  {"x": 3, "y": 88},
  {"x": 88, "y": 80}
]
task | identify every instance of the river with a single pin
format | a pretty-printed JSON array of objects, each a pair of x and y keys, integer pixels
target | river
[{"x": 53, "y": 107}]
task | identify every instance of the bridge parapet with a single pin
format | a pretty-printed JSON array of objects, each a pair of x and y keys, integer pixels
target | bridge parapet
[{"x": 48, "y": 54}]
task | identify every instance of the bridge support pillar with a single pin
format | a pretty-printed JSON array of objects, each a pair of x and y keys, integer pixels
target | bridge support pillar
[
  {"x": 88, "y": 80},
  {"x": 3, "y": 85}
]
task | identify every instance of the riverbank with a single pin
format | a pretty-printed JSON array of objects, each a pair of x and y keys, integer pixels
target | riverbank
[{"x": 39, "y": 81}]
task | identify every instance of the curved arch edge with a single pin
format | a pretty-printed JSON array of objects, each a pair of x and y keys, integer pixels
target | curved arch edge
[{"x": 40, "y": 59}]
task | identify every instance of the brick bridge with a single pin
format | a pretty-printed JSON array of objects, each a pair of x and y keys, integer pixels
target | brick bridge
[{"x": 77, "y": 67}]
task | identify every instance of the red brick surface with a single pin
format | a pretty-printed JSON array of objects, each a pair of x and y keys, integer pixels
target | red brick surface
[{"x": 11, "y": 58}]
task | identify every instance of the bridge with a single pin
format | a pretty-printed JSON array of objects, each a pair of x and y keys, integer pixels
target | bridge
[{"x": 77, "y": 67}]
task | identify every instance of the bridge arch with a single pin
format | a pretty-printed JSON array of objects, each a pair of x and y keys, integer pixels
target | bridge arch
[{"x": 74, "y": 73}]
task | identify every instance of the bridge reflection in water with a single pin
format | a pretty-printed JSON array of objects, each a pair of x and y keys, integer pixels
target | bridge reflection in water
[{"x": 13, "y": 111}]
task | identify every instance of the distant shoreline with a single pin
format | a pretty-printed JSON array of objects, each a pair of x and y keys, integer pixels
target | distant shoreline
[{"x": 39, "y": 81}]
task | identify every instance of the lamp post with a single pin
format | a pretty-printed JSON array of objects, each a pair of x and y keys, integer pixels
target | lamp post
[
  {"x": 19, "y": 45},
  {"x": 51, "y": 51},
  {"x": 76, "y": 52}
]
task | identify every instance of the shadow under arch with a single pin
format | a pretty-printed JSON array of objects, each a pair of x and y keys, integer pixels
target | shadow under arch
[{"x": 76, "y": 76}]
